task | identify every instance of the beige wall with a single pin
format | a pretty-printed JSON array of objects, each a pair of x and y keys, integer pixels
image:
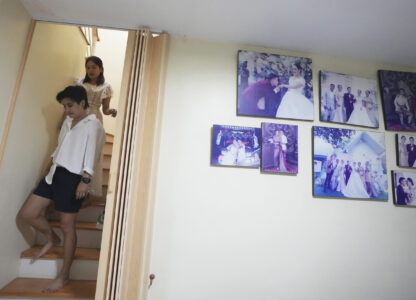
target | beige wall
[
  {"x": 234, "y": 233},
  {"x": 14, "y": 27},
  {"x": 56, "y": 57},
  {"x": 111, "y": 49}
]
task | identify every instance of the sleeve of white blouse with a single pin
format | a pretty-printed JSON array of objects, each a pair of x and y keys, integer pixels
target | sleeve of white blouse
[
  {"x": 108, "y": 92},
  {"x": 79, "y": 81},
  {"x": 95, "y": 143}
]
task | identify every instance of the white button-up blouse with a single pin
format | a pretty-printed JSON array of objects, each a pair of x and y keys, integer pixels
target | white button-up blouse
[{"x": 78, "y": 148}]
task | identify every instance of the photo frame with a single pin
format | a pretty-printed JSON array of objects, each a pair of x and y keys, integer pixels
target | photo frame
[
  {"x": 406, "y": 150},
  {"x": 274, "y": 86},
  {"x": 236, "y": 146},
  {"x": 404, "y": 188},
  {"x": 279, "y": 152},
  {"x": 349, "y": 164},
  {"x": 398, "y": 92},
  {"x": 348, "y": 99}
]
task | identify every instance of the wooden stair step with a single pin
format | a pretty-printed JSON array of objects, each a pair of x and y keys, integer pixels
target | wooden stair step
[
  {"x": 107, "y": 149},
  {"x": 109, "y": 138},
  {"x": 106, "y": 161},
  {"x": 78, "y": 225},
  {"x": 58, "y": 252},
  {"x": 32, "y": 287},
  {"x": 97, "y": 203}
]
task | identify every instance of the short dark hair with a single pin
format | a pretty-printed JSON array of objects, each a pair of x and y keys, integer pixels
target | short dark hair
[
  {"x": 76, "y": 93},
  {"x": 272, "y": 76},
  {"x": 401, "y": 179}
]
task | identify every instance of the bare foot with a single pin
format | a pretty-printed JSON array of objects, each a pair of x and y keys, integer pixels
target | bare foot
[
  {"x": 55, "y": 285},
  {"x": 53, "y": 242}
]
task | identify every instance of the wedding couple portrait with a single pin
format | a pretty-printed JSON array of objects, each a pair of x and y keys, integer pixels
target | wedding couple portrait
[
  {"x": 275, "y": 86},
  {"x": 406, "y": 150},
  {"x": 349, "y": 164},
  {"x": 348, "y": 99},
  {"x": 279, "y": 148},
  {"x": 405, "y": 188},
  {"x": 399, "y": 99},
  {"x": 236, "y": 146}
]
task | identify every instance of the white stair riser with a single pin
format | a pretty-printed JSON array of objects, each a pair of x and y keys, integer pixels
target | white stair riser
[
  {"x": 49, "y": 268},
  {"x": 86, "y": 238},
  {"x": 88, "y": 214}
]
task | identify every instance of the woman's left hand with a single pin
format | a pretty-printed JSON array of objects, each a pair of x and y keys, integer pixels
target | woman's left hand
[{"x": 82, "y": 190}]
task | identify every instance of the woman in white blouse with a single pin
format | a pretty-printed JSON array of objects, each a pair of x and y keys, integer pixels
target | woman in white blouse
[{"x": 67, "y": 182}]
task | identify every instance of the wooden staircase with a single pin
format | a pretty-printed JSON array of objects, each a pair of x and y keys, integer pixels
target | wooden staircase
[{"x": 34, "y": 277}]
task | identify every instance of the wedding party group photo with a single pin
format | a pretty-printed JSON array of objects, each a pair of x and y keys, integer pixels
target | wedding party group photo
[
  {"x": 348, "y": 99},
  {"x": 235, "y": 146},
  {"x": 275, "y": 86},
  {"x": 349, "y": 164}
]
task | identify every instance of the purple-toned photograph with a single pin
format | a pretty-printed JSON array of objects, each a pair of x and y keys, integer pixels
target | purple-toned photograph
[
  {"x": 349, "y": 164},
  {"x": 236, "y": 146},
  {"x": 406, "y": 150},
  {"x": 404, "y": 188},
  {"x": 275, "y": 86},
  {"x": 398, "y": 91},
  {"x": 279, "y": 152},
  {"x": 348, "y": 99}
]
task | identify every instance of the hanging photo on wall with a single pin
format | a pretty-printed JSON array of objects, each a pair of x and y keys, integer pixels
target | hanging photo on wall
[
  {"x": 349, "y": 164},
  {"x": 404, "y": 188},
  {"x": 236, "y": 146},
  {"x": 279, "y": 152},
  {"x": 348, "y": 99},
  {"x": 275, "y": 86},
  {"x": 406, "y": 150},
  {"x": 398, "y": 91}
]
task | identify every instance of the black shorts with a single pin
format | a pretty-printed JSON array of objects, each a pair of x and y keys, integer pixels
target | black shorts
[{"x": 61, "y": 191}]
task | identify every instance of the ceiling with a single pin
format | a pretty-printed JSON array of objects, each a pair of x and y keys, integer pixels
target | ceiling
[{"x": 375, "y": 30}]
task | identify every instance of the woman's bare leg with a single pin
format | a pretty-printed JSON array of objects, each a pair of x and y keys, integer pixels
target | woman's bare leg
[
  {"x": 32, "y": 212},
  {"x": 70, "y": 243}
]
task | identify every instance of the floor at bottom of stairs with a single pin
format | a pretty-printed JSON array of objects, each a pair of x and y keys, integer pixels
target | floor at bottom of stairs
[{"x": 31, "y": 288}]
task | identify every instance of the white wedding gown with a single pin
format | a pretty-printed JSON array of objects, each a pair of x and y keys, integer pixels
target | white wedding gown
[
  {"x": 294, "y": 104},
  {"x": 355, "y": 187},
  {"x": 359, "y": 115}
]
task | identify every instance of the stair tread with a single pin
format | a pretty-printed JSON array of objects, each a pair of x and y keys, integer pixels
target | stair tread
[
  {"x": 79, "y": 225},
  {"x": 32, "y": 287},
  {"x": 58, "y": 252}
]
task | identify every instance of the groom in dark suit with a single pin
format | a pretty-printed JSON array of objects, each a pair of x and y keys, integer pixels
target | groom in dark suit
[
  {"x": 347, "y": 172},
  {"x": 349, "y": 100},
  {"x": 411, "y": 150}
]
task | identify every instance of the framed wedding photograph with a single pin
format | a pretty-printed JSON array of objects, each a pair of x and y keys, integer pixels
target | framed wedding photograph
[
  {"x": 349, "y": 164},
  {"x": 398, "y": 92},
  {"x": 236, "y": 146},
  {"x": 274, "y": 86},
  {"x": 406, "y": 150},
  {"x": 279, "y": 150},
  {"x": 404, "y": 189},
  {"x": 348, "y": 99}
]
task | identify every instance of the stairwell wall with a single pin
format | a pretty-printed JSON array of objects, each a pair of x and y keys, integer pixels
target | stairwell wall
[{"x": 55, "y": 58}]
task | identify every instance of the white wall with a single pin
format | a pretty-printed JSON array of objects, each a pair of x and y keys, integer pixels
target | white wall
[
  {"x": 56, "y": 54},
  {"x": 234, "y": 233},
  {"x": 14, "y": 27},
  {"x": 111, "y": 49}
]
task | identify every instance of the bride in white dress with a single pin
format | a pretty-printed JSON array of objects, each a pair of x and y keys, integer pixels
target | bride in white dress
[
  {"x": 355, "y": 187},
  {"x": 359, "y": 115},
  {"x": 294, "y": 104}
]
